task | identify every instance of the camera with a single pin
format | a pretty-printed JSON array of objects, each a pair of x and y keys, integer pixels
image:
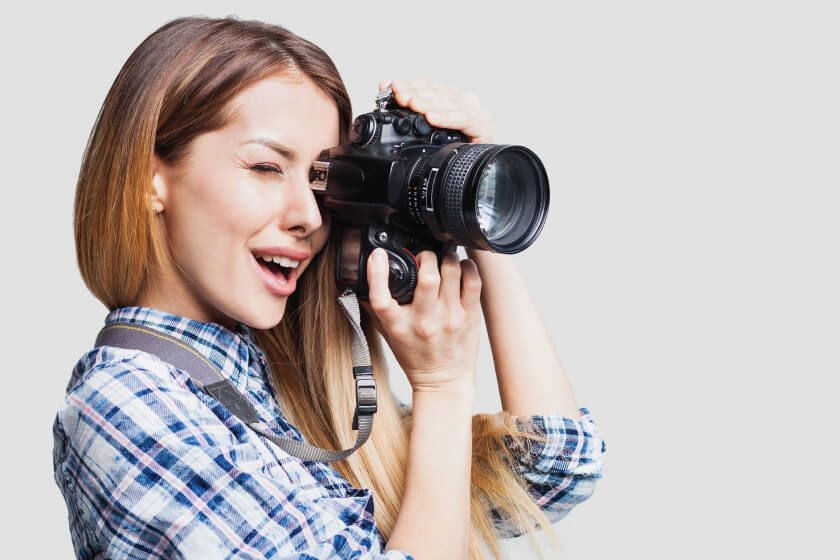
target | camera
[{"x": 406, "y": 186}]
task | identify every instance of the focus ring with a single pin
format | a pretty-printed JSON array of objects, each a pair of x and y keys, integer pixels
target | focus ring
[{"x": 453, "y": 191}]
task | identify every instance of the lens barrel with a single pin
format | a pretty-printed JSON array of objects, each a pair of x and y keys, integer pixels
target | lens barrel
[{"x": 486, "y": 196}]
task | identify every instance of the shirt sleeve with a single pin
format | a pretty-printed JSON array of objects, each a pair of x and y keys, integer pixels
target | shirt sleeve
[
  {"x": 154, "y": 468},
  {"x": 561, "y": 472}
]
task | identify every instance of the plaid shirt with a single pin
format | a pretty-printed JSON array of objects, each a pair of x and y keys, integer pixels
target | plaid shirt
[{"x": 150, "y": 466}]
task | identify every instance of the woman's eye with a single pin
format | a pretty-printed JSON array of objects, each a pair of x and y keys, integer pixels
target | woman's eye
[{"x": 266, "y": 168}]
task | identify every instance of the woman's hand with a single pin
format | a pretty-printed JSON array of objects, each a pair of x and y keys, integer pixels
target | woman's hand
[
  {"x": 435, "y": 337},
  {"x": 444, "y": 107}
]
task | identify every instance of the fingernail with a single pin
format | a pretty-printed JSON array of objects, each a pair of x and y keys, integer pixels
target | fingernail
[
  {"x": 379, "y": 254},
  {"x": 432, "y": 117}
]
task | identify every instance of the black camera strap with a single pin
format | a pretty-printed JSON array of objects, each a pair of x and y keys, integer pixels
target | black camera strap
[{"x": 209, "y": 379}]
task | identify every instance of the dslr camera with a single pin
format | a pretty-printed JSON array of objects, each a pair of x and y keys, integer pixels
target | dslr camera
[{"x": 406, "y": 186}]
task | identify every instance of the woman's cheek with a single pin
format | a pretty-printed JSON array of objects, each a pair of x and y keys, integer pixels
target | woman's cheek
[{"x": 319, "y": 241}]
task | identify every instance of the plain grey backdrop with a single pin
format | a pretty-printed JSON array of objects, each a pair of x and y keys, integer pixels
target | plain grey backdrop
[{"x": 688, "y": 271}]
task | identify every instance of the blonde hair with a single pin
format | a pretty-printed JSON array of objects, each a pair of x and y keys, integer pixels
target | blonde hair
[{"x": 176, "y": 85}]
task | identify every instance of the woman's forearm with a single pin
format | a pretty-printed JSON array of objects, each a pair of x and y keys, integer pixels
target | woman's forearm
[
  {"x": 434, "y": 518},
  {"x": 531, "y": 377}
]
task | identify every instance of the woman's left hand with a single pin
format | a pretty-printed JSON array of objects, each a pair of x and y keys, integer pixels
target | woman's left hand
[{"x": 444, "y": 107}]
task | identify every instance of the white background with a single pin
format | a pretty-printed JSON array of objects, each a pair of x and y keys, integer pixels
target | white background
[{"x": 688, "y": 270}]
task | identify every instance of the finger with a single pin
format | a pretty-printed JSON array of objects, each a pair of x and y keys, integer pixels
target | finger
[
  {"x": 470, "y": 285},
  {"x": 435, "y": 90},
  {"x": 431, "y": 86},
  {"x": 476, "y": 124},
  {"x": 436, "y": 111},
  {"x": 374, "y": 320},
  {"x": 434, "y": 103},
  {"x": 380, "y": 300},
  {"x": 458, "y": 111},
  {"x": 450, "y": 279},
  {"x": 405, "y": 90},
  {"x": 383, "y": 84},
  {"x": 446, "y": 90},
  {"x": 428, "y": 284},
  {"x": 417, "y": 83},
  {"x": 402, "y": 95},
  {"x": 471, "y": 100},
  {"x": 414, "y": 91}
]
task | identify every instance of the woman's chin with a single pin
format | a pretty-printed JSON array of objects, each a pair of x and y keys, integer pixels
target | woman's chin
[{"x": 267, "y": 315}]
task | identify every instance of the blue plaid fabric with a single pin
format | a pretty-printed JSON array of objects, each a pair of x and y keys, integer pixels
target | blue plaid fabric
[{"x": 150, "y": 466}]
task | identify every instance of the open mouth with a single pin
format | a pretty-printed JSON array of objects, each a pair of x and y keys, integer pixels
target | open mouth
[{"x": 282, "y": 272}]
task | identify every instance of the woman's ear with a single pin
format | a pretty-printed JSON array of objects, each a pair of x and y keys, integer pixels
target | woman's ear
[{"x": 160, "y": 178}]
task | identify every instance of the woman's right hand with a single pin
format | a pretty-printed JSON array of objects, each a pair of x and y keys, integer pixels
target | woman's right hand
[{"x": 435, "y": 337}]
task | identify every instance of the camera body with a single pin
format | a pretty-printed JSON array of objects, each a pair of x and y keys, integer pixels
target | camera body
[
  {"x": 406, "y": 186},
  {"x": 391, "y": 128}
]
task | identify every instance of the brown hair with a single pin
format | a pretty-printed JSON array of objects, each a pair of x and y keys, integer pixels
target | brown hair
[{"x": 176, "y": 85}]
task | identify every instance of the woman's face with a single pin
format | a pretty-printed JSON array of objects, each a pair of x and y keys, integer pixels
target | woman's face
[{"x": 235, "y": 198}]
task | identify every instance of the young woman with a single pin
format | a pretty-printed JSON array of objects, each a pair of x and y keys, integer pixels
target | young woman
[{"x": 197, "y": 169}]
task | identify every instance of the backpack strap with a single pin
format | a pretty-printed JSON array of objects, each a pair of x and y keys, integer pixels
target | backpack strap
[{"x": 210, "y": 379}]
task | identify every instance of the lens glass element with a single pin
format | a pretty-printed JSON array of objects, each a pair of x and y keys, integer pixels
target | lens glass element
[{"x": 499, "y": 200}]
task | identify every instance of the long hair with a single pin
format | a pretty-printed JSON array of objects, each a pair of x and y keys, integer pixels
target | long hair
[{"x": 176, "y": 85}]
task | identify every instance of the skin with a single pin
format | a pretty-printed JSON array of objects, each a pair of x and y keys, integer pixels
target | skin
[
  {"x": 530, "y": 375},
  {"x": 435, "y": 338},
  {"x": 217, "y": 206},
  {"x": 434, "y": 520}
]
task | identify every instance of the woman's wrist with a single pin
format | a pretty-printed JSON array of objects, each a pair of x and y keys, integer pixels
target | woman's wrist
[
  {"x": 482, "y": 257},
  {"x": 456, "y": 398},
  {"x": 434, "y": 515},
  {"x": 458, "y": 390}
]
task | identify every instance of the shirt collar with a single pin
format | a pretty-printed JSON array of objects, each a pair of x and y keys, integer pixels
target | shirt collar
[{"x": 234, "y": 352}]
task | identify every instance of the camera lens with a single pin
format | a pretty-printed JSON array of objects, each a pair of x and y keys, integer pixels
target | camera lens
[
  {"x": 493, "y": 196},
  {"x": 484, "y": 196},
  {"x": 497, "y": 206}
]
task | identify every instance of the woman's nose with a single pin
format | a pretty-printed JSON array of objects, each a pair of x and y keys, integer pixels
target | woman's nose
[{"x": 302, "y": 210}]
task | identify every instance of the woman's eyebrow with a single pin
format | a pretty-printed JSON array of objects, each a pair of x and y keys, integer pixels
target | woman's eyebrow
[{"x": 284, "y": 151}]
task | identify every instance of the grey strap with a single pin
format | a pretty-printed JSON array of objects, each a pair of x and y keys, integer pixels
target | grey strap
[{"x": 209, "y": 378}]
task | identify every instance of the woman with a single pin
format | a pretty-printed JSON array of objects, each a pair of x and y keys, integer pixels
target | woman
[{"x": 197, "y": 171}]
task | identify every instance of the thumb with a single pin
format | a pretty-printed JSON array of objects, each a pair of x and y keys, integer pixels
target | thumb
[{"x": 384, "y": 84}]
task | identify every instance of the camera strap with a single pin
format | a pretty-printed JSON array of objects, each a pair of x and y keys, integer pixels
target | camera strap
[{"x": 210, "y": 380}]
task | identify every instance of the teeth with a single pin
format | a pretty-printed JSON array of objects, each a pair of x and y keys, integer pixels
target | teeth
[
  {"x": 287, "y": 262},
  {"x": 282, "y": 261}
]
